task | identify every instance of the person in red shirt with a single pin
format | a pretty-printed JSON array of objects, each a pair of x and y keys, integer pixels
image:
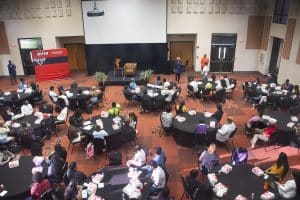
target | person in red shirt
[
  {"x": 263, "y": 134},
  {"x": 204, "y": 60},
  {"x": 39, "y": 185}
]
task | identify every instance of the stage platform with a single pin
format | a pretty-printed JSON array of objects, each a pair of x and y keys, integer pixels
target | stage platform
[{"x": 119, "y": 80}]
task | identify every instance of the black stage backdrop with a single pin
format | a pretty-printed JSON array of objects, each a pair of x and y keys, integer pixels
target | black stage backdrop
[{"x": 100, "y": 57}]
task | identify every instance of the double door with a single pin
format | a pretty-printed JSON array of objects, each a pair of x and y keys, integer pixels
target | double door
[{"x": 222, "y": 52}]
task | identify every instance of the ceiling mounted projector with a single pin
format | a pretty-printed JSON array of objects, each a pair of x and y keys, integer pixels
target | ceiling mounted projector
[{"x": 95, "y": 12}]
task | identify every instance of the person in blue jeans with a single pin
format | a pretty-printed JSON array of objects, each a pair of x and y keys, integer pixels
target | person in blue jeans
[{"x": 177, "y": 69}]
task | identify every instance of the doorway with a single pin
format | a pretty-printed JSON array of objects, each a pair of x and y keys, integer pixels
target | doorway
[
  {"x": 76, "y": 56},
  {"x": 222, "y": 52},
  {"x": 26, "y": 45},
  {"x": 275, "y": 58},
  {"x": 184, "y": 50}
]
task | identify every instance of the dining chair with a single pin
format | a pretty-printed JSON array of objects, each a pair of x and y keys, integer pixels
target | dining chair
[{"x": 186, "y": 189}]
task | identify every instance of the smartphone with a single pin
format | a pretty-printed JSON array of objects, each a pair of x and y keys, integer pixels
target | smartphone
[{"x": 84, "y": 194}]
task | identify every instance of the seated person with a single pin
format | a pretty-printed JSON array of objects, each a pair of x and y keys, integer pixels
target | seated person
[
  {"x": 201, "y": 127},
  {"x": 253, "y": 119},
  {"x": 59, "y": 151},
  {"x": 71, "y": 190},
  {"x": 290, "y": 188},
  {"x": 128, "y": 93},
  {"x": 63, "y": 97},
  {"x": 166, "y": 118},
  {"x": 57, "y": 193},
  {"x": 263, "y": 134},
  {"x": 39, "y": 186},
  {"x": 55, "y": 169},
  {"x": 73, "y": 173},
  {"x": 194, "y": 85},
  {"x": 6, "y": 113},
  {"x": 208, "y": 159},
  {"x": 133, "y": 119},
  {"x": 139, "y": 158},
  {"x": 128, "y": 132},
  {"x": 146, "y": 102},
  {"x": 4, "y": 138},
  {"x": 76, "y": 119},
  {"x": 225, "y": 131},
  {"x": 180, "y": 108},
  {"x": 26, "y": 108},
  {"x": 114, "y": 110},
  {"x": 192, "y": 181},
  {"x": 53, "y": 94},
  {"x": 22, "y": 85},
  {"x": 170, "y": 93},
  {"x": 204, "y": 192},
  {"x": 287, "y": 86},
  {"x": 132, "y": 85},
  {"x": 158, "y": 178},
  {"x": 158, "y": 81},
  {"x": 165, "y": 83},
  {"x": 219, "y": 113},
  {"x": 45, "y": 107},
  {"x": 98, "y": 133},
  {"x": 280, "y": 168},
  {"x": 95, "y": 93},
  {"x": 159, "y": 157}
]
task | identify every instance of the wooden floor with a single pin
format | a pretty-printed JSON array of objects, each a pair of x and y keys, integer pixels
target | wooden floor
[{"x": 179, "y": 158}]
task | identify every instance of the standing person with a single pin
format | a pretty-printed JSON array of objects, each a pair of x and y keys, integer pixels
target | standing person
[
  {"x": 12, "y": 72},
  {"x": 177, "y": 69},
  {"x": 204, "y": 60}
]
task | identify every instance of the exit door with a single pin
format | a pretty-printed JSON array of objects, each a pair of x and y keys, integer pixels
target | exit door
[{"x": 222, "y": 52}]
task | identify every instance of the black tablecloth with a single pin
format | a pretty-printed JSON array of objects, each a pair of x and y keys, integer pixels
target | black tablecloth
[
  {"x": 21, "y": 97},
  {"x": 184, "y": 132},
  {"x": 283, "y": 118},
  {"x": 241, "y": 180},
  {"x": 29, "y": 119},
  {"x": 17, "y": 180},
  {"x": 75, "y": 91},
  {"x": 154, "y": 99},
  {"x": 113, "y": 139},
  {"x": 113, "y": 188}
]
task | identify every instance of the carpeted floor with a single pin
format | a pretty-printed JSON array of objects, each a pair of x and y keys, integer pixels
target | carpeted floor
[{"x": 179, "y": 158}]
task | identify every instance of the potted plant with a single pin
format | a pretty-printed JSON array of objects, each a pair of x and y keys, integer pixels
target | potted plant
[
  {"x": 146, "y": 75},
  {"x": 101, "y": 78}
]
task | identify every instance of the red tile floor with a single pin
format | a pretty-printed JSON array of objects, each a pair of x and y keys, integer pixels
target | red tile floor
[{"x": 180, "y": 159}]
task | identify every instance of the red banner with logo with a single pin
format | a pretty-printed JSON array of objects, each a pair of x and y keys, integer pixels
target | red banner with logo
[{"x": 51, "y": 64}]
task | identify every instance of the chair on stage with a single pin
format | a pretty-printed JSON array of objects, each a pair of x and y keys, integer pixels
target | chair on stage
[
  {"x": 117, "y": 67},
  {"x": 130, "y": 69}
]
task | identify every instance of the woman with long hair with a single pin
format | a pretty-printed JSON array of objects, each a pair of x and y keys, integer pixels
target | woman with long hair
[
  {"x": 291, "y": 188},
  {"x": 180, "y": 108},
  {"x": 208, "y": 159},
  {"x": 280, "y": 168}
]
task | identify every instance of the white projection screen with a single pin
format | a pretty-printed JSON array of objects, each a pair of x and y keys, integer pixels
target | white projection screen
[{"x": 126, "y": 21}]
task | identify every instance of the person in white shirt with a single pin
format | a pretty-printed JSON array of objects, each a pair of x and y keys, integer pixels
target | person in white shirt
[
  {"x": 288, "y": 190},
  {"x": 205, "y": 70},
  {"x": 53, "y": 94},
  {"x": 64, "y": 97},
  {"x": 98, "y": 133},
  {"x": 158, "y": 178},
  {"x": 26, "y": 108},
  {"x": 166, "y": 83},
  {"x": 63, "y": 114},
  {"x": 194, "y": 84},
  {"x": 225, "y": 131},
  {"x": 139, "y": 158},
  {"x": 170, "y": 92}
]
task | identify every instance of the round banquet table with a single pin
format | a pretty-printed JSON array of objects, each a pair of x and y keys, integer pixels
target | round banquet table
[
  {"x": 115, "y": 179},
  {"x": 283, "y": 118},
  {"x": 74, "y": 91},
  {"x": 113, "y": 140},
  {"x": 241, "y": 180},
  {"x": 17, "y": 180},
  {"x": 156, "y": 97},
  {"x": 184, "y": 132},
  {"x": 21, "y": 97}
]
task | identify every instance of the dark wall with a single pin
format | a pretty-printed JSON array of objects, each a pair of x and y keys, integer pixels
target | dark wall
[{"x": 100, "y": 57}]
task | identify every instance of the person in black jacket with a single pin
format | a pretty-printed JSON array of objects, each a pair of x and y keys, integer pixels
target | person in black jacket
[
  {"x": 192, "y": 181},
  {"x": 219, "y": 113},
  {"x": 76, "y": 119},
  {"x": 59, "y": 151},
  {"x": 73, "y": 173},
  {"x": 55, "y": 170}
]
